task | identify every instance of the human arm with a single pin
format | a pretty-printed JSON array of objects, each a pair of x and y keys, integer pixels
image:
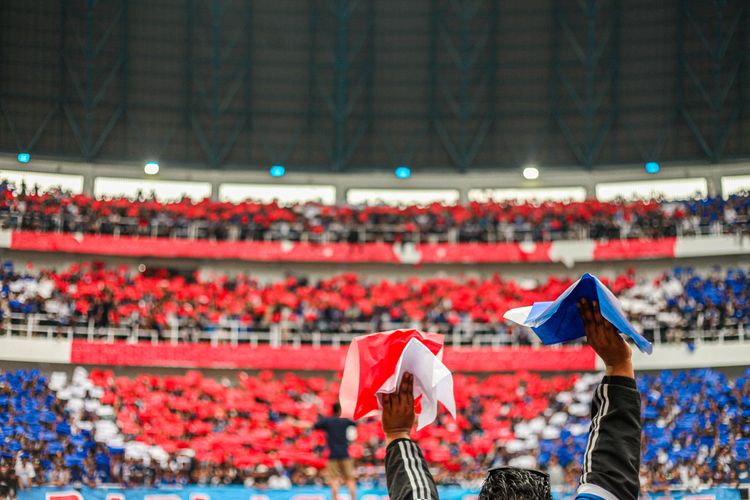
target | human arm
[
  {"x": 406, "y": 469},
  {"x": 306, "y": 424},
  {"x": 612, "y": 458}
]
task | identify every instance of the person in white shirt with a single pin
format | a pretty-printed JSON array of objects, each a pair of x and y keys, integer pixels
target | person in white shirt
[
  {"x": 279, "y": 481},
  {"x": 25, "y": 473}
]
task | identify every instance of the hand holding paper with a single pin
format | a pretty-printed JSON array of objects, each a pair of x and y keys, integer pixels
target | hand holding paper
[
  {"x": 398, "y": 411},
  {"x": 560, "y": 321},
  {"x": 432, "y": 380},
  {"x": 606, "y": 341},
  {"x": 376, "y": 365}
]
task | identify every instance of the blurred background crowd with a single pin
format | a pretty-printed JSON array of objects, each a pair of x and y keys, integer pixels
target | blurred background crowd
[
  {"x": 164, "y": 430},
  {"x": 488, "y": 222},
  {"x": 676, "y": 305}
]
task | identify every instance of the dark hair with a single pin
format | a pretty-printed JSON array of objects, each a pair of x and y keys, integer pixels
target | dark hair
[
  {"x": 510, "y": 483},
  {"x": 336, "y": 409}
]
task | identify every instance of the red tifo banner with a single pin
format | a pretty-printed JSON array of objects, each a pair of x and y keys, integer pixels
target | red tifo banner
[
  {"x": 275, "y": 251},
  {"x": 644, "y": 249},
  {"x": 324, "y": 358}
]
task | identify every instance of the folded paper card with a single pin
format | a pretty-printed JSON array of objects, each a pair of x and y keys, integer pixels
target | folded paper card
[
  {"x": 560, "y": 321},
  {"x": 376, "y": 363}
]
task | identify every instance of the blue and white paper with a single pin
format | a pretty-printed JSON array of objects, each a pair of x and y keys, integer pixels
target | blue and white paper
[{"x": 560, "y": 321}]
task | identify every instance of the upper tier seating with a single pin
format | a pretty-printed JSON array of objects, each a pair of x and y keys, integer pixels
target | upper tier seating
[{"x": 27, "y": 209}]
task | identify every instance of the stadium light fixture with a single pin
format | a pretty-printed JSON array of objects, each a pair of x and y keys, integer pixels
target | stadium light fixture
[
  {"x": 23, "y": 157},
  {"x": 402, "y": 172},
  {"x": 530, "y": 173},
  {"x": 151, "y": 168},
  {"x": 277, "y": 171},
  {"x": 652, "y": 167}
]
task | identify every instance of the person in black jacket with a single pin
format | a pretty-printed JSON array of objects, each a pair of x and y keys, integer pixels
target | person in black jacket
[
  {"x": 610, "y": 463},
  {"x": 340, "y": 468}
]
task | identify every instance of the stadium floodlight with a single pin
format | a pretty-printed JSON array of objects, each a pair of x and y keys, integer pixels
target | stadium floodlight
[
  {"x": 402, "y": 172},
  {"x": 277, "y": 171},
  {"x": 652, "y": 167},
  {"x": 151, "y": 168},
  {"x": 530, "y": 173},
  {"x": 24, "y": 157}
]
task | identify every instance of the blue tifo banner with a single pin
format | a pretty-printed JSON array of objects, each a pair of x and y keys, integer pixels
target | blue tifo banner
[{"x": 311, "y": 493}]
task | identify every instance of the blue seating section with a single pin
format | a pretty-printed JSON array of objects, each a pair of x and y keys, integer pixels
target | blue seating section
[
  {"x": 694, "y": 412},
  {"x": 34, "y": 422}
]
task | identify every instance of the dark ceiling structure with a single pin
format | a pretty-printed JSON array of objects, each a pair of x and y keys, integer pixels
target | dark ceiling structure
[{"x": 352, "y": 85}]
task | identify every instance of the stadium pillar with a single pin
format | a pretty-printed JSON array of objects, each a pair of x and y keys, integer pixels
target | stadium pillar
[
  {"x": 215, "y": 190},
  {"x": 341, "y": 193},
  {"x": 88, "y": 185},
  {"x": 713, "y": 181},
  {"x": 463, "y": 196},
  {"x": 590, "y": 188}
]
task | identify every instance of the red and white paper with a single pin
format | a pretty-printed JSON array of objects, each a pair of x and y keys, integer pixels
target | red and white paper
[{"x": 376, "y": 363}]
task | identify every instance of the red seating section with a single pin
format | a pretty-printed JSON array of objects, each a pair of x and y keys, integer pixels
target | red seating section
[
  {"x": 267, "y": 418},
  {"x": 157, "y": 294}
]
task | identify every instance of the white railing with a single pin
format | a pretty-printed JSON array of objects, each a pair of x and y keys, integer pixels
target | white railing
[{"x": 234, "y": 333}]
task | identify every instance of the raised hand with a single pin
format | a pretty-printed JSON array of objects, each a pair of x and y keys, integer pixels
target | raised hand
[
  {"x": 398, "y": 410},
  {"x": 606, "y": 340}
]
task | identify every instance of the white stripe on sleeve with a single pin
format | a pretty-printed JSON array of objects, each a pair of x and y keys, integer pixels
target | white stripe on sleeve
[
  {"x": 603, "y": 391},
  {"x": 419, "y": 470},
  {"x": 407, "y": 466},
  {"x": 592, "y": 431},
  {"x": 416, "y": 469}
]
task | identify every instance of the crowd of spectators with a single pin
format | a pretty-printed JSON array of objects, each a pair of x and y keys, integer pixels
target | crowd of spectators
[
  {"x": 151, "y": 430},
  {"x": 697, "y": 430},
  {"x": 673, "y": 306},
  {"x": 675, "y": 303},
  {"x": 159, "y": 299},
  {"x": 56, "y": 210}
]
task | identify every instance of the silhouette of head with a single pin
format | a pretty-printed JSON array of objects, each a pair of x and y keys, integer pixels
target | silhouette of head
[{"x": 510, "y": 483}]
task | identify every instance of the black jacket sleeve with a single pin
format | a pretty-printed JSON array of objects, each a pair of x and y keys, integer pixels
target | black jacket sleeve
[
  {"x": 613, "y": 454},
  {"x": 406, "y": 472}
]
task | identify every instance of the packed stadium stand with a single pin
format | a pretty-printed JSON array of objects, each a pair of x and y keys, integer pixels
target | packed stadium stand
[
  {"x": 94, "y": 428},
  {"x": 29, "y": 209},
  {"x": 676, "y": 305},
  {"x": 99, "y": 427},
  {"x": 203, "y": 204}
]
